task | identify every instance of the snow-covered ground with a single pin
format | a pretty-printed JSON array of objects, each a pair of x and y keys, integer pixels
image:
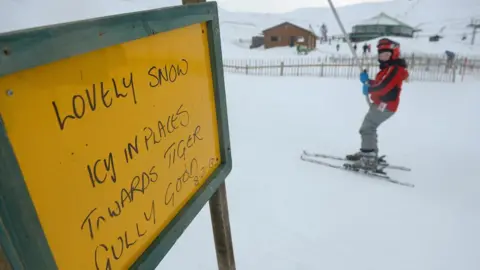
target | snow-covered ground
[
  {"x": 418, "y": 46},
  {"x": 431, "y": 16},
  {"x": 292, "y": 215},
  {"x": 237, "y": 28},
  {"x": 289, "y": 214}
]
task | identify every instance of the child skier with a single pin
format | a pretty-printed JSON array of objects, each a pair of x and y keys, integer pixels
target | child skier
[{"x": 385, "y": 92}]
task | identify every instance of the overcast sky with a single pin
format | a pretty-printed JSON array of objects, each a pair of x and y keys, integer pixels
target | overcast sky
[{"x": 275, "y": 6}]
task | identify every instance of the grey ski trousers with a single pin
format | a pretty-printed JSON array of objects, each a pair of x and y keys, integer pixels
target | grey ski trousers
[{"x": 368, "y": 131}]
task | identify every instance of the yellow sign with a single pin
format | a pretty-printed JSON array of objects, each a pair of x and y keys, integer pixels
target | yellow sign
[{"x": 113, "y": 143}]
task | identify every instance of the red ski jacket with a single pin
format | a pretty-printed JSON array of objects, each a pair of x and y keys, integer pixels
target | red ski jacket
[{"x": 387, "y": 85}]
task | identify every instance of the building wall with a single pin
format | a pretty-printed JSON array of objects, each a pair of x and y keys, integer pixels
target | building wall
[
  {"x": 257, "y": 41},
  {"x": 384, "y": 29},
  {"x": 366, "y": 32},
  {"x": 281, "y": 36}
]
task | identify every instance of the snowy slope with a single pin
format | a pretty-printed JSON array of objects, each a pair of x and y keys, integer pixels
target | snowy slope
[
  {"x": 292, "y": 215},
  {"x": 430, "y": 15},
  {"x": 237, "y": 28},
  {"x": 287, "y": 214}
]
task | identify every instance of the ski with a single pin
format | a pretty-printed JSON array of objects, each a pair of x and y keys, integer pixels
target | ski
[
  {"x": 358, "y": 171},
  {"x": 319, "y": 155}
]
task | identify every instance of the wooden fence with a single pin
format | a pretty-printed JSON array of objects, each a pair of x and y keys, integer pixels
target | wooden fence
[{"x": 421, "y": 68}]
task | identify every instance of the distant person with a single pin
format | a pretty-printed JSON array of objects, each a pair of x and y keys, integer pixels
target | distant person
[
  {"x": 338, "y": 47},
  {"x": 355, "y": 46},
  {"x": 384, "y": 91},
  {"x": 450, "y": 59},
  {"x": 365, "y": 48}
]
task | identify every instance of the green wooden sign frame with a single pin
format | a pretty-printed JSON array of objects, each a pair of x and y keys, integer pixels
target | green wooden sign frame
[{"x": 21, "y": 236}]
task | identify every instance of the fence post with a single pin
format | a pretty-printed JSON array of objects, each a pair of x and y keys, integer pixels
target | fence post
[
  {"x": 454, "y": 71},
  {"x": 464, "y": 67},
  {"x": 413, "y": 61},
  {"x": 424, "y": 69}
]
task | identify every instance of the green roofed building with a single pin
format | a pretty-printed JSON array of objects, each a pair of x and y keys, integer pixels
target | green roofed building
[{"x": 381, "y": 25}]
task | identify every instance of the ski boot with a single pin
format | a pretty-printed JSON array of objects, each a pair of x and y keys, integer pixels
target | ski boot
[
  {"x": 368, "y": 161},
  {"x": 357, "y": 156}
]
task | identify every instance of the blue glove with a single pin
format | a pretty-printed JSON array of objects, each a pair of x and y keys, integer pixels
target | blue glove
[
  {"x": 364, "y": 77},
  {"x": 365, "y": 89}
]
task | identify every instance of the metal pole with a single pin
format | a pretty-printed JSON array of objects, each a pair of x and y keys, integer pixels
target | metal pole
[{"x": 347, "y": 37}]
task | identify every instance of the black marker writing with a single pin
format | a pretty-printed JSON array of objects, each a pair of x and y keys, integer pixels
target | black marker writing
[
  {"x": 81, "y": 104},
  {"x": 105, "y": 254},
  {"x": 179, "y": 149},
  {"x": 169, "y": 73},
  {"x": 107, "y": 168}
]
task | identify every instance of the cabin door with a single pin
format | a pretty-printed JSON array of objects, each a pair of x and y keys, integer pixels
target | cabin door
[{"x": 292, "y": 41}]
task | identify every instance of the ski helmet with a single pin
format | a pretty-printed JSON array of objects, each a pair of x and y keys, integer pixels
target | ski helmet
[{"x": 388, "y": 45}]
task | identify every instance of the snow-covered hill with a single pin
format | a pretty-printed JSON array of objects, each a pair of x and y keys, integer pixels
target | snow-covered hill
[
  {"x": 429, "y": 15},
  {"x": 287, "y": 214},
  {"x": 448, "y": 18}
]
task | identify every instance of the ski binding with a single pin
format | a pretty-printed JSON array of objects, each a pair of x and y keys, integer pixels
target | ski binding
[{"x": 348, "y": 166}]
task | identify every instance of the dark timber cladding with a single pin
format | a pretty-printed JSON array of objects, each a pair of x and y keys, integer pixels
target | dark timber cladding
[{"x": 288, "y": 34}]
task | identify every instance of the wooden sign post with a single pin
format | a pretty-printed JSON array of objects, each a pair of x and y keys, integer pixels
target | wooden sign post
[
  {"x": 113, "y": 136},
  {"x": 219, "y": 214}
]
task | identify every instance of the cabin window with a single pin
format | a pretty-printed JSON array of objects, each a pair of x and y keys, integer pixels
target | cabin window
[
  {"x": 274, "y": 38},
  {"x": 371, "y": 29},
  {"x": 360, "y": 29},
  {"x": 381, "y": 29},
  {"x": 406, "y": 31}
]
